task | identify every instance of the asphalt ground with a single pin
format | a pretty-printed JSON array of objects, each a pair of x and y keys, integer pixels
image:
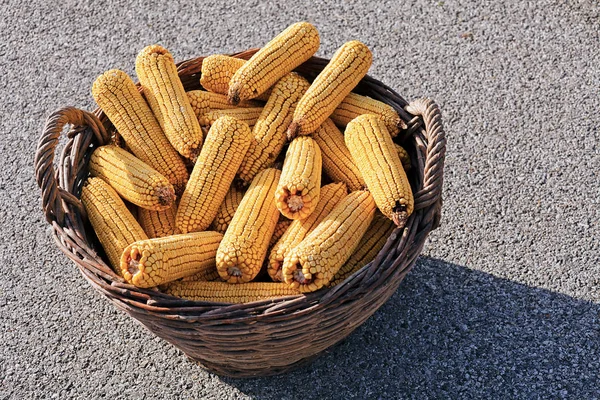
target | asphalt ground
[{"x": 504, "y": 302}]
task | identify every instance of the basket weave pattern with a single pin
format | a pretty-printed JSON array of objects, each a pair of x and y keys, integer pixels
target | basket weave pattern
[{"x": 261, "y": 338}]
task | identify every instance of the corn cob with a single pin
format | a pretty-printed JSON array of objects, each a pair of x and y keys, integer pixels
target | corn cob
[
  {"x": 159, "y": 223},
  {"x": 245, "y": 243},
  {"x": 208, "y": 275},
  {"x": 246, "y": 115},
  {"x": 221, "y": 292},
  {"x": 372, "y": 149},
  {"x": 269, "y": 131},
  {"x": 157, "y": 71},
  {"x": 280, "y": 228},
  {"x": 233, "y": 198},
  {"x": 217, "y": 71},
  {"x": 132, "y": 179},
  {"x": 330, "y": 195},
  {"x": 312, "y": 264},
  {"x": 157, "y": 261},
  {"x": 337, "y": 161},
  {"x": 369, "y": 246},
  {"x": 203, "y": 102},
  {"x": 117, "y": 95},
  {"x": 354, "y": 105},
  {"x": 280, "y": 56},
  {"x": 347, "y": 67},
  {"x": 298, "y": 190},
  {"x": 225, "y": 146},
  {"x": 404, "y": 157},
  {"x": 114, "y": 225}
]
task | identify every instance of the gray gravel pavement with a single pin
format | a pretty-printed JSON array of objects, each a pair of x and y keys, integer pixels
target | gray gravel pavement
[{"x": 505, "y": 301}]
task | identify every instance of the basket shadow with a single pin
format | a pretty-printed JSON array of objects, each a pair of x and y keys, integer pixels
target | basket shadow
[{"x": 452, "y": 332}]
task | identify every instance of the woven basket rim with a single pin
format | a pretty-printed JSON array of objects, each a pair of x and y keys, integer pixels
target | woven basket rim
[{"x": 424, "y": 138}]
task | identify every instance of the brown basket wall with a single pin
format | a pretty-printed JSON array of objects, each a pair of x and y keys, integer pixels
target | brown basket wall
[{"x": 260, "y": 338}]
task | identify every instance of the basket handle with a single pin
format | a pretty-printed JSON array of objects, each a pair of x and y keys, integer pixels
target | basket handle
[
  {"x": 433, "y": 173},
  {"x": 55, "y": 197}
]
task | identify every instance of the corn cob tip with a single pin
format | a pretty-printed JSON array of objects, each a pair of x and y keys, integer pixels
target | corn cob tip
[
  {"x": 293, "y": 131},
  {"x": 295, "y": 203},
  {"x": 130, "y": 265},
  {"x": 400, "y": 215},
  {"x": 233, "y": 95},
  {"x": 166, "y": 195},
  {"x": 194, "y": 153},
  {"x": 299, "y": 277}
]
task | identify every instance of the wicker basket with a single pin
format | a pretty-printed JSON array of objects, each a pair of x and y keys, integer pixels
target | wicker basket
[{"x": 261, "y": 338}]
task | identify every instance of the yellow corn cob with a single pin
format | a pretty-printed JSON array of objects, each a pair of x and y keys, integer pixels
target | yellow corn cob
[
  {"x": 114, "y": 225},
  {"x": 157, "y": 71},
  {"x": 269, "y": 132},
  {"x": 312, "y": 264},
  {"x": 225, "y": 146},
  {"x": 354, "y": 105},
  {"x": 330, "y": 195},
  {"x": 280, "y": 228},
  {"x": 221, "y": 292},
  {"x": 246, "y": 115},
  {"x": 369, "y": 246},
  {"x": 117, "y": 95},
  {"x": 337, "y": 161},
  {"x": 154, "y": 262},
  {"x": 159, "y": 223},
  {"x": 208, "y": 275},
  {"x": 281, "y": 55},
  {"x": 373, "y": 151},
  {"x": 203, "y": 102},
  {"x": 347, "y": 67},
  {"x": 233, "y": 198},
  {"x": 404, "y": 157},
  {"x": 132, "y": 179},
  {"x": 217, "y": 71},
  {"x": 245, "y": 243},
  {"x": 298, "y": 190}
]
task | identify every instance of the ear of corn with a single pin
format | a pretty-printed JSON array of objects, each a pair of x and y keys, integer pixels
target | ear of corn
[
  {"x": 225, "y": 146},
  {"x": 299, "y": 187},
  {"x": 404, "y": 157},
  {"x": 354, "y": 105},
  {"x": 157, "y": 71},
  {"x": 269, "y": 131},
  {"x": 314, "y": 262},
  {"x": 248, "y": 116},
  {"x": 330, "y": 195},
  {"x": 374, "y": 153},
  {"x": 221, "y": 292},
  {"x": 245, "y": 243},
  {"x": 217, "y": 71},
  {"x": 337, "y": 161},
  {"x": 233, "y": 198},
  {"x": 203, "y": 102},
  {"x": 117, "y": 95},
  {"x": 280, "y": 56},
  {"x": 208, "y": 275},
  {"x": 154, "y": 262},
  {"x": 132, "y": 178},
  {"x": 114, "y": 225},
  {"x": 159, "y": 223},
  {"x": 347, "y": 67},
  {"x": 369, "y": 246},
  {"x": 280, "y": 228}
]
